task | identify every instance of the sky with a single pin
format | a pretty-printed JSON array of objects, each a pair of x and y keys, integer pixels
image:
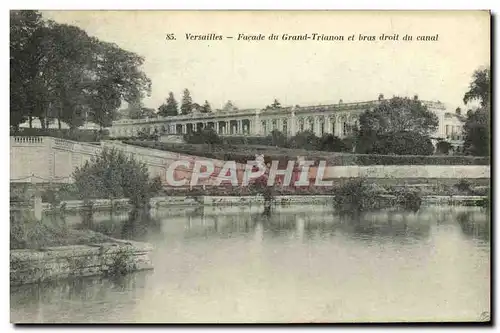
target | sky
[{"x": 253, "y": 73}]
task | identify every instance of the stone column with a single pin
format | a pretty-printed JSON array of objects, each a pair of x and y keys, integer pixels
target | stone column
[
  {"x": 327, "y": 124},
  {"x": 257, "y": 130},
  {"x": 292, "y": 125},
  {"x": 240, "y": 127},
  {"x": 216, "y": 127}
]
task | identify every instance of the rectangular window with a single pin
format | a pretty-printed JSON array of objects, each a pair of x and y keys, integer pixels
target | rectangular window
[{"x": 448, "y": 130}]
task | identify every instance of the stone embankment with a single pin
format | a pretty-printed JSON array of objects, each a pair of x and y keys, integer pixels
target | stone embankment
[{"x": 53, "y": 263}]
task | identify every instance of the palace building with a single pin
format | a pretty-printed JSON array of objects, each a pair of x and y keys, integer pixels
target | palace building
[{"x": 337, "y": 119}]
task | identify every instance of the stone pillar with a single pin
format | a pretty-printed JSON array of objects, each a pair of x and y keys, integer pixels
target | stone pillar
[
  {"x": 293, "y": 121},
  {"x": 327, "y": 125},
  {"x": 240, "y": 127},
  {"x": 317, "y": 130},
  {"x": 216, "y": 127},
  {"x": 257, "y": 130},
  {"x": 37, "y": 206}
]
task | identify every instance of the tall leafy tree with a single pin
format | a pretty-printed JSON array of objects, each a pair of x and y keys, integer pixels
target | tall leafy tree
[
  {"x": 59, "y": 72},
  {"x": 187, "y": 102},
  {"x": 477, "y": 125},
  {"x": 169, "y": 108},
  {"x": 117, "y": 77},
  {"x": 25, "y": 41},
  {"x": 229, "y": 106},
  {"x": 390, "y": 119},
  {"x": 206, "y": 108}
]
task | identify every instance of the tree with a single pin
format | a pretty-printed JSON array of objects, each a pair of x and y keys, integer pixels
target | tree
[
  {"x": 187, "y": 102},
  {"x": 477, "y": 125},
  {"x": 23, "y": 27},
  {"x": 206, "y": 108},
  {"x": 329, "y": 142},
  {"x": 443, "y": 147},
  {"x": 477, "y": 132},
  {"x": 59, "y": 72},
  {"x": 276, "y": 105},
  {"x": 137, "y": 111},
  {"x": 402, "y": 143},
  {"x": 117, "y": 77},
  {"x": 390, "y": 118},
  {"x": 479, "y": 88},
  {"x": 304, "y": 140},
  {"x": 113, "y": 175},
  {"x": 278, "y": 139},
  {"x": 169, "y": 108},
  {"x": 229, "y": 106}
]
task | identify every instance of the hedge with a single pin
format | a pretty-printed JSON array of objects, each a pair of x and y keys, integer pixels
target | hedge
[
  {"x": 74, "y": 135},
  {"x": 283, "y": 155}
]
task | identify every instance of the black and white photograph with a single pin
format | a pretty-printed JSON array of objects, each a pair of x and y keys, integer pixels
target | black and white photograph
[{"x": 250, "y": 167}]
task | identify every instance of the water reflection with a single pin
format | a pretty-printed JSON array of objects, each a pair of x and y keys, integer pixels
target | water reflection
[{"x": 294, "y": 263}]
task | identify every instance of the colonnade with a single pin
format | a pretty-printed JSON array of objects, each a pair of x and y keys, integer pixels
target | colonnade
[{"x": 339, "y": 124}]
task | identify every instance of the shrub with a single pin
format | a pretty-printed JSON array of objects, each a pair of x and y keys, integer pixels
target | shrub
[
  {"x": 120, "y": 264},
  {"x": 247, "y": 152},
  {"x": 402, "y": 143},
  {"x": 464, "y": 186},
  {"x": 28, "y": 233},
  {"x": 355, "y": 195},
  {"x": 330, "y": 142},
  {"x": 205, "y": 136},
  {"x": 409, "y": 199},
  {"x": 113, "y": 175},
  {"x": 443, "y": 147}
]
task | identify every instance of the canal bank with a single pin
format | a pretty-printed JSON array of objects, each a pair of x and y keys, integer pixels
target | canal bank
[
  {"x": 77, "y": 261},
  {"x": 205, "y": 200}
]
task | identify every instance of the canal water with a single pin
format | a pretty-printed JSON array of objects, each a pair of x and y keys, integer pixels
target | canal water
[{"x": 296, "y": 264}]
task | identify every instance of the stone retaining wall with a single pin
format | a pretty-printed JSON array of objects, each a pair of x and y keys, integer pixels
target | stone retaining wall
[
  {"x": 48, "y": 264},
  {"x": 160, "y": 202}
]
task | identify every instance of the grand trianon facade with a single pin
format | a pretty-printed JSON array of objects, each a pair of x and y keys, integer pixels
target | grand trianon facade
[{"x": 337, "y": 119}]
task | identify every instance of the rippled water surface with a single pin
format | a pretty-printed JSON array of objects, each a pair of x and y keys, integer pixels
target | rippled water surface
[{"x": 298, "y": 264}]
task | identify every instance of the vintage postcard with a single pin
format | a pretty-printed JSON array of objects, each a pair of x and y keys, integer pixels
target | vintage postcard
[{"x": 250, "y": 166}]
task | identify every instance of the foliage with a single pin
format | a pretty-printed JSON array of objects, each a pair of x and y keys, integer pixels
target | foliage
[
  {"x": 187, "y": 102},
  {"x": 28, "y": 233},
  {"x": 229, "y": 106},
  {"x": 59, "y": 72},
  {"x": 205, "y": 136},
  {"x": 402, "y": 143},
  {"x": 120, "y": 264},
  {"x": 480, "y": 87},
  {"x": 477, "y": 132},
  {"x": 464, "y": 186},
  {"x": 306, "y": 140},
  {"x": 356, "y": 195},
  {"x": 139, "y": 112},
  {"x": 477, "y": 125},
  {"x": 206, "y": 108},
  {"x": 443, "y": 147},
  {"x": 391, "y": 119},
  {"x": 329, "y": 142},
  {"x": 247, "y": 153},
  {"x": 169, "y": 108},
  {"x": 259, "y": 186},
  {"x": 276, "y": 105},
  {"x": 278, "y": 139},
  {"x": 409, "y": 199},
  {"x": 114, "y": 175},
  {"x": 399, "y": 115}
]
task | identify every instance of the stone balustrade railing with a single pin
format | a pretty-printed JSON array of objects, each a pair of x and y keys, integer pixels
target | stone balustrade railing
[{"x": 27, "y": 140}]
